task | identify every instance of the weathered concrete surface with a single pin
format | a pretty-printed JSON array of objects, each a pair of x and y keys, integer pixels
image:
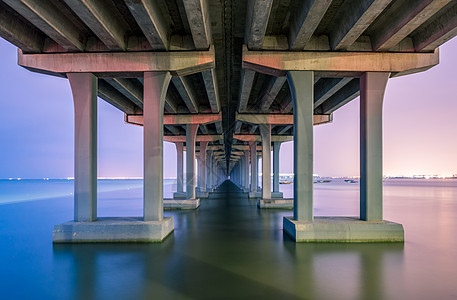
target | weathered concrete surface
[
  {"x": 110, "y": 230},
  {"x": 372, "y": 88},
  {"x": 343, "y": 229},
  {"x": 276, "y": 203},
  {"x": 180, "y": 63},
  {"x": 258, "y": 194},
  {"x": 84, "y": 90},
  {"x": 277, "y": 62},
  {"x": 181, "y": 204}
]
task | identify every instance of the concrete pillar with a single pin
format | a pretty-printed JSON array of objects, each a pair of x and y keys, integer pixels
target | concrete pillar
[
  {"x": 202, "y": 170},
  {"x": 191, "y": 135},
  {"x": 276, "y": 148},
  {"x": 246, "y": 170},
  {"x": 372, "y": 88},
  {"x": 179, "y": 166},
  {"x": 84, "y": 87},
  {"x": 209, "y": 170},
  {"x": 301, "y": 85},
  {"x": 265, "y": 133},
  {"x": 253, "y": 152},
  {"x": 155, "y": 90}
]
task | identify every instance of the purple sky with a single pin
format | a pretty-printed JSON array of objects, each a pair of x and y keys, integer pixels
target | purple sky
[{"x": 36, "y": 128}]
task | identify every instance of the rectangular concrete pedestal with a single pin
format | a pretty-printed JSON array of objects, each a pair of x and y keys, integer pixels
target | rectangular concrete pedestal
[
  {"x": 343, "y": 229},
  {"x": 109, "y": 230},
  {"x": 181, "y": 204},
  {"x": 179, "y": 195},
  {"x": 258, "y": 194},
  {"x": 276, "y": 203}
]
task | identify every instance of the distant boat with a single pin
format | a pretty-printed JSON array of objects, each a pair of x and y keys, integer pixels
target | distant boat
[
  {"x": 285, "y": 182},
  {"x": 322, "y": 181},
  {"x": 350, "y": 181}
]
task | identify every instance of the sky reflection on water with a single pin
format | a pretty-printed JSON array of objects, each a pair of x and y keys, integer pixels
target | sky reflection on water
[{"x": 230, "y": 249}]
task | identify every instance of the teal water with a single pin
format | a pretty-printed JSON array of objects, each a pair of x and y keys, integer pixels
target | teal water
[{"x": 229, "y": 249}]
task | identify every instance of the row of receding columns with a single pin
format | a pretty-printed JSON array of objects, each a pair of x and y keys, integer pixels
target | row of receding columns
[
  {"x": 209, "y": 175},
  {"x": 240, "y": 172}
]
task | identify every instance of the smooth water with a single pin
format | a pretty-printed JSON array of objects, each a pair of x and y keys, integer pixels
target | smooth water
[{"x": 228, "y": 248}]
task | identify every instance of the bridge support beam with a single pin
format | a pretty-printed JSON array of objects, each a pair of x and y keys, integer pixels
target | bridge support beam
[
  {"x": 179, "y": 172},
  {"x": 86, "y": 227},
  {"x": 303, "y": 227},
  {"x": 254, "y": 173},
  {"x": 201, "y": 193},
  {"x": 265, "y": 132}
]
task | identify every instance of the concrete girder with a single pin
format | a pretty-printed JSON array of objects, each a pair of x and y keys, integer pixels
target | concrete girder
[
  {"x": 237, "y": 127},
  {"x": 256, "y": 138},
  {"x": 442, "y": 29},
  {"x": 258, "y": 13},
  {"x": 173, "y": 129},
  {"x": 132, "y": 89},
  {"x": 305, "y": 21},
  {"x": 18, "y": 33},
  {"x": 247, "y": 79},
  {"x": 199, "y": 22},
  {"x": 403, "y": 18},
  {"x": 354, "y": 18},
  {"x": 218, "y": 127},
  {"x": 186, "y": 92},
  {"x": 343, "y": 96},
  {"x": 178, "y": 119},
  {"x": 170, "y": 105},
  {"x": 272, "y": 91},
  {"x": 278, "y": 119},
  {"x": 200, "y": 138},
  {"x": 45, "y": 16},
  {"x": 178, "y": 63},
  {"x": 104, "y": 20},
  {"x": 152, "y": 22},
  {"x": 278, "y": 62},
  {"x": 285, "y": 129},
  {"x": 326, "y": 87},
  {"x": 253, "y": 129},
  {"x": 210, "y": 81},
  {"x": 286, "y": 105},
  {"x": 204, "y": 129},
  {"x": 115, "y": 98}
]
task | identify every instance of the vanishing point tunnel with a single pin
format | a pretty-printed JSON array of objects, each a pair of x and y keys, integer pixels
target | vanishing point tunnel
[{"x": 228, "y": 81}]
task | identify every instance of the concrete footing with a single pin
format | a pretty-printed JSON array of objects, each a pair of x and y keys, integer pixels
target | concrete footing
[
  {"x": 258, "y": 194},
  {"x": 181, "y": 204},
  {"x": 276, "y": 203},
  {"x": 343, "y": 229},
  {"x": 200, "y": 194},
  {"x": 179, "y": 195},
  {"x": 113, "y": 230}
]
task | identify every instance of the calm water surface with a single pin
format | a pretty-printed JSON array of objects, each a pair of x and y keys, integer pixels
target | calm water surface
[{"x": 228, "y": 249}]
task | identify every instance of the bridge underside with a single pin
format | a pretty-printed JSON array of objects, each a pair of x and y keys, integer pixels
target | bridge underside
[{"x": 229, "y": 80}]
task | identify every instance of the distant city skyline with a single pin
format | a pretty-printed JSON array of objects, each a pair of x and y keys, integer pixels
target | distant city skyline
[{"x": 36, "y": 128}]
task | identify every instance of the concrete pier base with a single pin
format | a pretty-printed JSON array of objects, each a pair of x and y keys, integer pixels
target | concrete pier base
[
  {"x": 343, "y": 229},
  {"x": 276, "y": 203},
  {"x": 181, "y": 204},
  {"x": 179, "y": 195},
  {"x": 109, "y": 230},
  {"x": 258, "y": 194}
]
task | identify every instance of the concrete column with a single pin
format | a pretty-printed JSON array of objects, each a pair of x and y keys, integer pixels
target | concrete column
[
  {"x": 276, "y": 148},
  {"x": 179, "y": 166},
  {"x": 155, "y": 90},
  {"x": 246, "y": 169},
  {"x": 202, "y": 170},
  {"x": 372, "y": 88},
  {"x": 301, "y": 85},
  {"x": 253, "y": 152},
  {"x": 265, "y": 133},
  {"x": 191, "y": 135},
  {"x": 209, "y": 170},
  {"x": 84, "y": 87}
]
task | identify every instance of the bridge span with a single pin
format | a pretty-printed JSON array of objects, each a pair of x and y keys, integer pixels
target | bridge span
[{"x": 228, "y": 81}]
